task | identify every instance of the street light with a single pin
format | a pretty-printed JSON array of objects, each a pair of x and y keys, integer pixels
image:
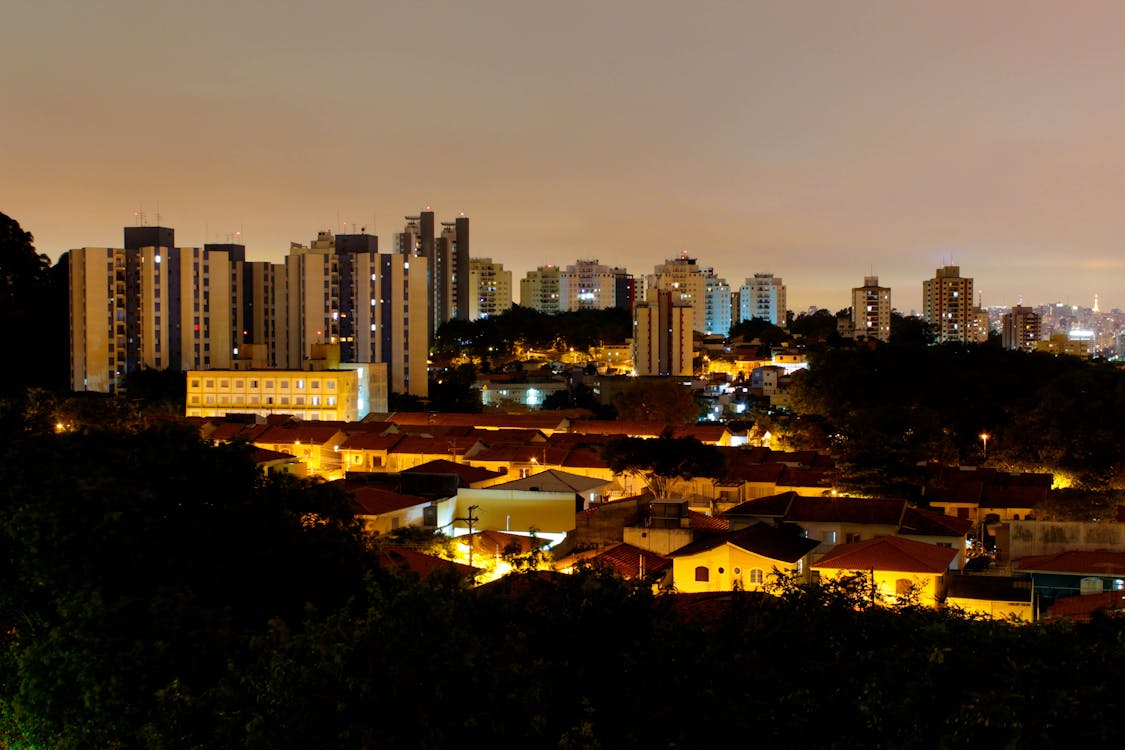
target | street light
[{"x": 984, "y": 436}]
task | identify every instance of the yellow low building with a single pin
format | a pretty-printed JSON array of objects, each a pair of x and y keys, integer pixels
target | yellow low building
[
  {"x": 743, "y": 560},
  {"x": 898, "y": 569},
  {"x": 338, "y": 395}
]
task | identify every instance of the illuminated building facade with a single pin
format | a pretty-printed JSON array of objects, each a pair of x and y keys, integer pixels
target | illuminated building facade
[
  {"x": 762, "y": 297},
  {"x": 540, "y": 290},
  {"x": 490, "y": 288},
  {"x": 871, "y": 310},
  {"x": 1020, "y": 329},
  {"x": 947, "y": 305},
  {"x": 662, "y": 335}
]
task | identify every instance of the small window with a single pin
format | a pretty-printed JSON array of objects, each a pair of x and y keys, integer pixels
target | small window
[
  {"x": 757, "y": 575},
  {"x": 194, "y": 383},
  {"x": 702, "y": 574},
  {"x": 330, "y": 385},
  {"x": 904, "y": 587},
  {"x": 269, "y": 384}
]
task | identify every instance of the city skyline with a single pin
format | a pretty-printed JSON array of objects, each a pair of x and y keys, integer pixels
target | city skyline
[{"x": 820, "y": 143}]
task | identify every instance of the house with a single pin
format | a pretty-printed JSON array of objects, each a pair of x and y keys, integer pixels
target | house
[
  {"x": 316, "y": 444},
  {"x": 897, "y": 568},
  {"x": 986, "y": 495},
  {"x": 740, "y": 560},
  {"x": 410, "y": 562},
  {"x": 845, "y": 520},
  {"x": 634, "y": 563},
  {"x": 382, "y": 510},
  {"x": 587, "y": 489},
  {"x": 1075, "y": 572},
  {"x": 275, "y": 462}
]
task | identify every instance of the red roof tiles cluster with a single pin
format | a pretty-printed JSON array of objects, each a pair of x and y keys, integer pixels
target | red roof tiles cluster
[{"x": 892, "y": 553}]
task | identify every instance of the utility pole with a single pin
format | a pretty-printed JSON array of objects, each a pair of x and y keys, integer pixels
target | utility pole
[{"x": 470, "y": 519}]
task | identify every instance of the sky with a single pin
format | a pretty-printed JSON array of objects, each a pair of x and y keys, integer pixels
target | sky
[{"x": 819, "y": 141}]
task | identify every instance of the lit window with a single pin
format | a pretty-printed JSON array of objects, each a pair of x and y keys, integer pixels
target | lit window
[{"x": 756, "y": 575}]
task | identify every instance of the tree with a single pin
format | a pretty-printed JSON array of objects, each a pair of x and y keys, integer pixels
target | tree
[
  {"x": 659, "y": 461},
  {"x": 657, "y": 400},
  {"x": 762, "y": 330},
  {"x": 25, "y": 303},
  {"x": 135, "y": 571}
]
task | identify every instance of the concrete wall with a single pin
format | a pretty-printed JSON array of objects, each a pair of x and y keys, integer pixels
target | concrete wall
[{"x": 1018, "y": 539}]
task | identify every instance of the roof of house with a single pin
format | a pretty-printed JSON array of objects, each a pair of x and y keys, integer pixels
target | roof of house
[
  {"x": 310, "y": 433},
  {"x": 490, "y": 542},
  {"x": 1082, "y": 606},
  {"x": 770, "y": 506},
  {"x": 538, "y": 453},
  {"x": 863, "y": 510},
  {"x": 422, "y": 446},
  {"x": 536, "y": 421},
  {"x": 759, "y": 539},
  {"x": 374, "y": 501},
  {"x": 467, "y": 473},
  {"x": 554, "y": 480},
  {"x": 919, "y": 522},
  {"x": 629, "y": 560},
  {"x": 1076, "y": 562},
  {"x": 404, "y": 559},
  {"x": 892, "y": 553},
  {"x": 265, "y": 456},
  {"x": 370, "y": 441},
  {"x": 987, "y": 487}
]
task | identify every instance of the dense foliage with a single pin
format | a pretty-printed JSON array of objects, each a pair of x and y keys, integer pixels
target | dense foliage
[
  {"x": 889, "y": 407},
  {"x": 156, "y": 592},
  {"x": 497, "y": 337}
]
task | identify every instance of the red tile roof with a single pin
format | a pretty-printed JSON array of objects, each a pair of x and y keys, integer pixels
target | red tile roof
[
  {"x": 846, "y": 510},
  {"x": 370, "y": 441},
  {"x": 538, "y": 421},
  {"x": 918, "y": 522},
  {"x": 468, "y": 474},
  {"x": 404, "y": 560},
  {"x": 1080, "y": 607},
  {"x": 627, "y": 560},
  {"x": 373, "y": 501},
  {"x": 310, "y": 433},
  {"x": 760, "y": 539},
  {"x": 423, "y": 446},
  {"x": 891, "y": 553},
  {"x": 1075, "y": 562}
]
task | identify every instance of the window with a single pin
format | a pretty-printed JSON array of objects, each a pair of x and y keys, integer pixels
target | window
[
  {"x": 852, "y": 537},
  {"x": 757, "y": 575},
  {"x": 330, "y": 385},
  {"x": 702, "y": 574},
  {"x": 830, "y": 537},
  {"x": 904, "y": 587},
  {"x": 299, "y": 384}
]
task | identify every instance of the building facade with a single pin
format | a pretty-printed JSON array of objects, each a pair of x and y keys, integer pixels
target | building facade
[
  {"x": 662, "y": 335},
  {"x": 490, "y": 288},
  {"x": 947, "y": 305},
  {"x": 540, "y": 290},
  {"x": 762, "y": 297},
  {"x": 871, "y": 310},
  {"x": 1020, "y": 328}
]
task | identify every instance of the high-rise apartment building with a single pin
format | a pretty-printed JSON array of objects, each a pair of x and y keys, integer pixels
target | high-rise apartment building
[
  {"x": 1020, "y": 328},
  {"x": 490, "y": 288},
  {"x": 589, "y": 285},
  {"x": 662, "y": 335},
  {"x": 716, "y": 306},
  {"x": 947, "y": 305},
  {"x": 540, "y": 289},
  {"x": 762, "y": 297},
  {"x": 686, "y": 282},
  {"x": 151, "y": 304},
  {"x": 452, "y": 294},
  {"x": 871, "y": 310}
]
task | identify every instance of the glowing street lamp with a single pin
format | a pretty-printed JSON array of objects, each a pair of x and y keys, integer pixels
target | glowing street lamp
[{"x": 984, "y": 436}]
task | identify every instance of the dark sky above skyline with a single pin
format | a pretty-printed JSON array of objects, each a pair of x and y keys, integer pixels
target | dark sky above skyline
[{"x": 818, "y": 141}]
